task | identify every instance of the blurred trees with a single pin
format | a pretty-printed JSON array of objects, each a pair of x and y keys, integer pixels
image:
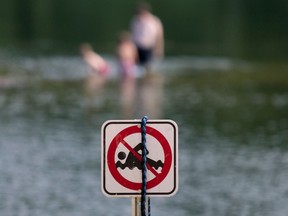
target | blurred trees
[{"x": 238, "y": 28}]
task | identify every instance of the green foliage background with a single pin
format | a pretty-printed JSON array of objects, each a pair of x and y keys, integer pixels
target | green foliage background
[{"x": 240, "y": 28}]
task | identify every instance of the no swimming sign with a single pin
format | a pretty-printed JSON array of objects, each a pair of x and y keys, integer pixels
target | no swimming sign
[{"x": 121, "y": 158}]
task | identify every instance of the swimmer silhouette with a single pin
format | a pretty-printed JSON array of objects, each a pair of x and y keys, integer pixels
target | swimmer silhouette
[{"x": 132, "y": 161}]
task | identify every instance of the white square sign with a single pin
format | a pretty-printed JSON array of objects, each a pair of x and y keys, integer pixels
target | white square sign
[{"x": 121, "y": 158}]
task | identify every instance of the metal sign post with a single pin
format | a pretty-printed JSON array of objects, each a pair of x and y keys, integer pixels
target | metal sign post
[{"x": 136, "y": 206}]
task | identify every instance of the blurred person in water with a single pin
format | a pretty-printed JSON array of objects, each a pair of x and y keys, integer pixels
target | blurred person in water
[
  {"x": 98, "y": 68},
  {"x": 127, "y": 55},
  {"x": 127, "y": 60},
  {"x": 95, "y": 62},
  {"x": 148, "y": 35}
]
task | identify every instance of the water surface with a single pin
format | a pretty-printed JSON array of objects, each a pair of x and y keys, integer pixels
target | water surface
[{"x": 233, "y": 134}]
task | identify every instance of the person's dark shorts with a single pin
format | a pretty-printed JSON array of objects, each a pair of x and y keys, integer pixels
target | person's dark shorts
[{"x": 144, "y": 56}]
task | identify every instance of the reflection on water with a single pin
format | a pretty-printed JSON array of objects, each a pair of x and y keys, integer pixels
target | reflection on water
[
  {"x": 128, "y": 97},
  {"x": 150, "y": 96},
  {"x": 232, "y": 143},
  {"x": 142, "y": 97}
]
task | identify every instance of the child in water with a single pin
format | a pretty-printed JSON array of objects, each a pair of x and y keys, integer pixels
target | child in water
[
  {"x": 127, "y": 55},
  {"x": 98, "y": 68},
  {"x": 96, "y": 63}
]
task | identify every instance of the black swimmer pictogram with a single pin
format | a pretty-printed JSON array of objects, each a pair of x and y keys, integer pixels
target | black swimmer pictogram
[{"x": 132, "y": 161}]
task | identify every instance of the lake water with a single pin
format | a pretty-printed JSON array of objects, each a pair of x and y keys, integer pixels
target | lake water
[{"x": 233, "y": 136}]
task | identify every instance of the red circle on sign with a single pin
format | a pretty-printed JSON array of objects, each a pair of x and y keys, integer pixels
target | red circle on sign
[{"x": 112, "y": 164}]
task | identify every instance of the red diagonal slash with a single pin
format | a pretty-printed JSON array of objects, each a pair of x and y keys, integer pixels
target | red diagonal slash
[{"x": 138, "y": 157}]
